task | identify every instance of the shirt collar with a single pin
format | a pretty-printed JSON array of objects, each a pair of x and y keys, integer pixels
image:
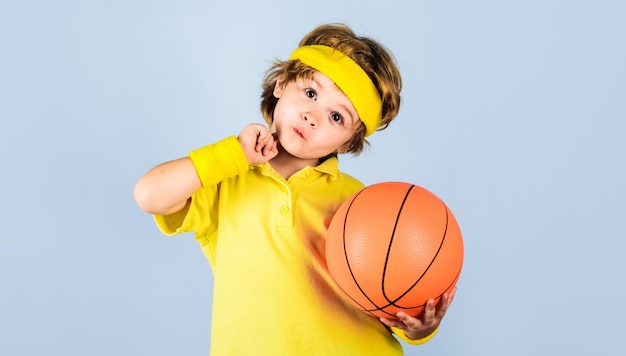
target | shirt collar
[{"x": 330, "y": 166}]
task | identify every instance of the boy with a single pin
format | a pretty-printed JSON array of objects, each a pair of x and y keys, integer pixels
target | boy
[{"x": 260, "y": 203}]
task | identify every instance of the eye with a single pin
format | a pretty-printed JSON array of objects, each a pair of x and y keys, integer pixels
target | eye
[
  {"x": 310, "y": 93},
  {"x": 336, "y": 117}
]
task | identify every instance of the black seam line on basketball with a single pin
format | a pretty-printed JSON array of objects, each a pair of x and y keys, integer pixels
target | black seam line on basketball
[
  {"x": 345, "y": 252},
  {"x": 455, "y": 280},
  {"x": 393, "y": 233},
  {"x": 380, "y": 309},
  {"x": 443, "y": 238},
  {"x": 354, "y": 300}
]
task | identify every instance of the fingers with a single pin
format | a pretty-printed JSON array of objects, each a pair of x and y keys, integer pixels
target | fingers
[
  {"x": 262, "y": 137},
  {"x": 269, "y": 147},
  {"x": 396, "y": 323},
  {"x": 446, "y": 300},
  {"x": 258, "y": 143},
  {"x": 430, "y": 312},
  {"x": 421, "y": 326},
  {"x": 409, "y": 321},
  {"x": 265, "y": 141}
]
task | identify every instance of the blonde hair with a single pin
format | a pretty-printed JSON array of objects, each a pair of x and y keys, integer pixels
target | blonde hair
[{"x": 375, "y": 59}]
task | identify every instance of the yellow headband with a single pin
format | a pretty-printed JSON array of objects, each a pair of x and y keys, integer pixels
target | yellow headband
[{"x": 349, "y": 77}]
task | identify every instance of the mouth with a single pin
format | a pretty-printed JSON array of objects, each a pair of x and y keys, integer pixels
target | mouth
[{"x": 298, "y": 132}]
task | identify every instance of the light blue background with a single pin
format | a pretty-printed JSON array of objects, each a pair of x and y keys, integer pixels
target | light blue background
[{"x": 513, "y": 113}]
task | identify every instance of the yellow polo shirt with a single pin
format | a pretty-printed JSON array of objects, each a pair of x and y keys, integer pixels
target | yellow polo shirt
[{"x": 264, "y": 238}]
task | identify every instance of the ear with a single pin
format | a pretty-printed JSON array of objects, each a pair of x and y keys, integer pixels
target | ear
[{"x": 278, "y": 88}]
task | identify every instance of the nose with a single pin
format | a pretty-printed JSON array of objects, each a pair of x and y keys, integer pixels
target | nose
[{"x": 310, "y": 119}]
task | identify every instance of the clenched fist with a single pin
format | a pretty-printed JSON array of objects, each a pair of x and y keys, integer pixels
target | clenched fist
[{"x": 258, "y": 143}]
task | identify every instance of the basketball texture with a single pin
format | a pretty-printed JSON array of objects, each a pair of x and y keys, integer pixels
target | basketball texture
[{"x": 392, "y": 246}]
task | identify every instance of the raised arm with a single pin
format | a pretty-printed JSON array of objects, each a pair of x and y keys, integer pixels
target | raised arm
[{"x": 167, "y": 188}]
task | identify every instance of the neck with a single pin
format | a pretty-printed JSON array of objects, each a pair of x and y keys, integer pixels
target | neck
[{"x": 286, "y": 164}]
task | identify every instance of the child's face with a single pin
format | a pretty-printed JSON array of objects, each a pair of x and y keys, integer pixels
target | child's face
[{"x": 313, "y": 117}]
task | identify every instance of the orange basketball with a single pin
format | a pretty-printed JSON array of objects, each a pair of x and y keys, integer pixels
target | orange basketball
[{"x": 392, "y": 246}]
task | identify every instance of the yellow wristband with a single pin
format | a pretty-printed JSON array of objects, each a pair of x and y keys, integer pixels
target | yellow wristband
[
  {"x": 219, "y": 161},
  {"x": 410, "y": 341}
]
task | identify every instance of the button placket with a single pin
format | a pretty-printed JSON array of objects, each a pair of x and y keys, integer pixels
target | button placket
[{"x": 284, "y": 208}]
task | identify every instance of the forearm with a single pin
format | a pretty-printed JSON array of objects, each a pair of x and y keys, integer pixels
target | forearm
[{"x": 166, "y": 188}]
